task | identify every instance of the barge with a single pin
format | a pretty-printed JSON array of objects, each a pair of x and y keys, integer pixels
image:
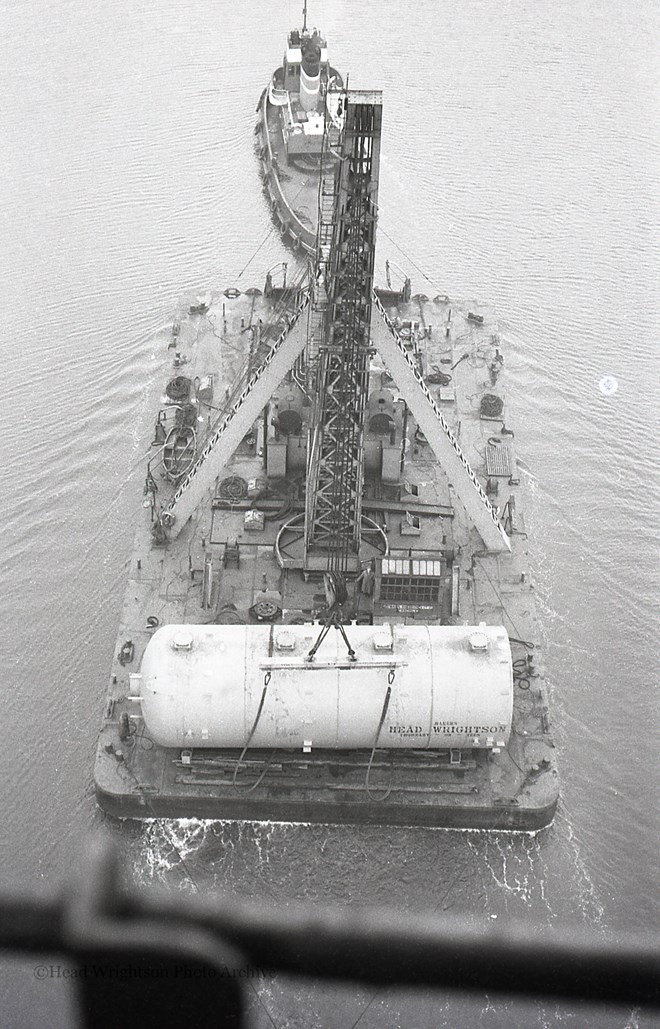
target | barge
[{"x": 330, "y": 617}]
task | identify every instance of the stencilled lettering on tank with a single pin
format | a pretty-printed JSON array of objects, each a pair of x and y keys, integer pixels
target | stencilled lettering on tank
[
  {"x": 454, "y": 729},
  {"x": 407, "y": 730}
]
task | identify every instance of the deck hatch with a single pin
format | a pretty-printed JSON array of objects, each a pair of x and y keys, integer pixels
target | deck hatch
[
  {"x": 409, "y": 580},
  {"x": 498, "y": 459}
]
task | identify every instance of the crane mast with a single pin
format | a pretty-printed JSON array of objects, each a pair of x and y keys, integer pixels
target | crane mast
[
  {"x": 329, "y": 350},
  {"x": 335, "y": 466}
]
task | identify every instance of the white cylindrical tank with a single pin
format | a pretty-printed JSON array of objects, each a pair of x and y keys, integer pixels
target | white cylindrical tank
[{"x": 451, "y": 686}]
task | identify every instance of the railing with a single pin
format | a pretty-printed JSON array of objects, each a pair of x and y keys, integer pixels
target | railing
[{"x": 156, "y": 944}]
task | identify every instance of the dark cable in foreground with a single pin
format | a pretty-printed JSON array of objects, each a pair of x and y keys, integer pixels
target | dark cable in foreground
[{"x": 101, "y": 922}]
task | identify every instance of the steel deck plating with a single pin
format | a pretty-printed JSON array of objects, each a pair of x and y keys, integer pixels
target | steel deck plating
[{"x": 195, "y": 579}]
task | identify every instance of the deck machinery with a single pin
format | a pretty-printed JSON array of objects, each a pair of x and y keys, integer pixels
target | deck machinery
[{"x": 330, "y": 464}]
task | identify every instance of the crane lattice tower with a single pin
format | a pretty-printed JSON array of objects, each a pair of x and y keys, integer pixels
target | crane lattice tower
[{"x": 335, "y": 467}]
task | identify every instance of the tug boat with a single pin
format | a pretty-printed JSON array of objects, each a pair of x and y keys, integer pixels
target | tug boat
[{"x": 299, "y": 119}]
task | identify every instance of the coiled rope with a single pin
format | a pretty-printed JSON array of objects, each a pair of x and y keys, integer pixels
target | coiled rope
[{"x": 233, "y": 489}]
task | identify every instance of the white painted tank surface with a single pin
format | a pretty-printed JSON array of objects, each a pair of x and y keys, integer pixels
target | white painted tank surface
[{"x": 451, "y": 686}]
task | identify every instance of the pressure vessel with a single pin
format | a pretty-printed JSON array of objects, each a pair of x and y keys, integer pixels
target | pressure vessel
[{"x": 409, "y": 687}]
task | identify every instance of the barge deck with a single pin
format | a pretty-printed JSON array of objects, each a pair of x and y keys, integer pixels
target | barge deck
[{"x": 223, "y": 568}]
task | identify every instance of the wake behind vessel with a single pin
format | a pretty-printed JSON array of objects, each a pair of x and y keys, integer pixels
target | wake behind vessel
[{"x": 327, "y": 619}]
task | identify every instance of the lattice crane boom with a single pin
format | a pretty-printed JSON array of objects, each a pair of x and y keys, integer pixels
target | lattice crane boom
[
  {"x": 336, "y": 339},
  {"x": 335, "y": 470}
]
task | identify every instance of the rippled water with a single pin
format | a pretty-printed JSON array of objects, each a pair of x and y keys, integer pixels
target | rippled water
[{"x": 518, "y": 166}]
